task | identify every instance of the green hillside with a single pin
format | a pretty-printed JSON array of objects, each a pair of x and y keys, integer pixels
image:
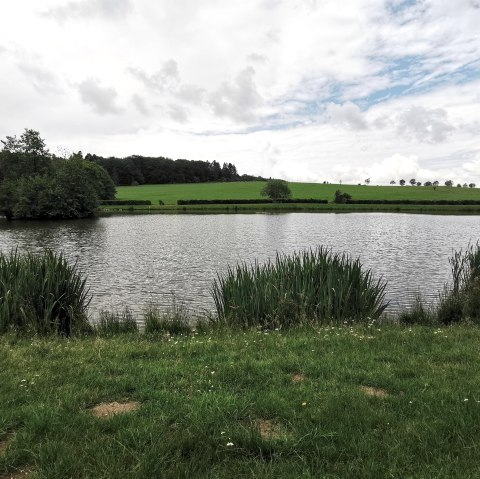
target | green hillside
[{"x": 170, "y": 193}]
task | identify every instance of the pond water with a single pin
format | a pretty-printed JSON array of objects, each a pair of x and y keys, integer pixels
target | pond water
[{"x": 134, "y": 260}]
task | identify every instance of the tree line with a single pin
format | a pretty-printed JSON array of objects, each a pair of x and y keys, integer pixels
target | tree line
[{"x": 140, "y": 170}]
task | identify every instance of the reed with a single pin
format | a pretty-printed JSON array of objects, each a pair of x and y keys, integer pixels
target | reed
[
  {"x": 42, "y": 294},
  {"x": 312, "y": 286},
  {"x": 111, "y": 323}
]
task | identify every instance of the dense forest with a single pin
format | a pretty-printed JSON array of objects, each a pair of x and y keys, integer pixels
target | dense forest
[{"x": 140, "y": 170}]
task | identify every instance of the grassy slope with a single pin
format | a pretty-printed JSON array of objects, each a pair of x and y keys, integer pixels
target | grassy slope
[
  {"x": 201, "y": 393},
  {"x": 247, "y": 190}
]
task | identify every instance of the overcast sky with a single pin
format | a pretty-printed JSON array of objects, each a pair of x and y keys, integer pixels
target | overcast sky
[{"x": 307, "y": 90}]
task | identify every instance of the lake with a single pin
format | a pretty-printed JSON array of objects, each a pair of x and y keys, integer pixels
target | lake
[{"x": 134, "y": 260}]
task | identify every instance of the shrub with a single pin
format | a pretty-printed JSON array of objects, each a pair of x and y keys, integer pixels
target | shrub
[
  {"x": 175, "y": 320},
  {"x": 276, "y": 190},
  {"x": 309, "y": 286},
  {"x": 341, "y": 197},
  {"x": 111, "y": 323},
  {"x": 42, "y": 294}
]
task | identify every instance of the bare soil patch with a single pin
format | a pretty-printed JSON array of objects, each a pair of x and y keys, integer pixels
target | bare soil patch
[
  {"x": 298, "y": 377},
  {"x": 105, "y": 410},
  {"x": 374, "y": 392},
  {"x": 4, "y": 444},
  {"x": 269, "y": 429},
  {"x": 18, "y": 474}
]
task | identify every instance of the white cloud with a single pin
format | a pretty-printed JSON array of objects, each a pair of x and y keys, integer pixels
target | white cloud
[
  {"x": 425, "y": 125},
  {"x": 347, "y": 115},
  {"x": 238, "y": 100},
  {"x": 101, "y": 99},
  {"x": 109, "y": 9}
]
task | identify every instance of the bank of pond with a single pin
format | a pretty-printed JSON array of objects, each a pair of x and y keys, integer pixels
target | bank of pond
[{"x": 44, "y": 294}]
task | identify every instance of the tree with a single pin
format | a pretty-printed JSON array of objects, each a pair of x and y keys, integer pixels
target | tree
[
  {"x": 341, "y": 198},
  {"x": 276, "y": 190},
  {"x": 428, "y": 183},
  {"x": 402, "y": 182},
  {"x": 419, "y": 183},
  {"x": 435, "y": 184},
  {"x": 392, "y": 182},
  {"x": 367, "y": 181},
  {"x": 449, "y": 183},
  {"x": 413, "y": 181},
  {"x": 471, "y": 185}
]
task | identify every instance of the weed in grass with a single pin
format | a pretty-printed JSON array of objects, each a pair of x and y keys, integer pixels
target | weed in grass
[
  {"x": 111, "y": 323},
  {"x": 313, "y": 286},
  {"x": 106, "y": 410},
  {"x": 175, "y": 320}
]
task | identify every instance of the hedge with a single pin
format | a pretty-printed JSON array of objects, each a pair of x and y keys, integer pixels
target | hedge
[
  {"x": 413, "y": 202},
  {"x": 249, "y": 202},
  {"x": 126, "y": 202}
]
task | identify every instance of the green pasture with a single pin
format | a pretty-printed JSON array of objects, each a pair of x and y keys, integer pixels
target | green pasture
[{"x": 170, "y": 193}]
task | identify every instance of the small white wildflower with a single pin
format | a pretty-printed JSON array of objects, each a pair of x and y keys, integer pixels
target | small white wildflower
[
  {"x": 222, "y": 432},
  {"x": 229, "y": 444},
  {"x": 465, "y": 400}
]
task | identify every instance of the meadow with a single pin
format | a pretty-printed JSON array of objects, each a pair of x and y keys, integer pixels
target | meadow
[
  {"x": 170, "y": 193},
  {"x": 365, "y": 401}
]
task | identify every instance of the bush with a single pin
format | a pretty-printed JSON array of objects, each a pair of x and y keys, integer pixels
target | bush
[
  {"x": 313, "y": 286},
  {"x": 249, "y": 201},
  {"x": 341, "y": 198},
  {"x": 42, "y": 294},
  {"x": 276, "y": 190},
  {"x": 111, "y": 323}
]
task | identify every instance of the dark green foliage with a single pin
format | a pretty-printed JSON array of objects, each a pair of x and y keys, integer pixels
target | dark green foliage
[
  {"x": 341, "y": 197},
  {"x": 312, "y": 286},
  {"x": 276, "y": 190},
  {"x": 41, "y": 294},
  {"x": 418, "y": 313},
  {"x": 139, "y": 170},
  {"x": 250, "y": 201},
  {"x": 36, "y": 185},
  {"x": 126, "y": 202}
]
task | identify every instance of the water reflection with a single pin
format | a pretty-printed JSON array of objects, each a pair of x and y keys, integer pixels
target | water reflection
[{"x": 133, "y": 260}]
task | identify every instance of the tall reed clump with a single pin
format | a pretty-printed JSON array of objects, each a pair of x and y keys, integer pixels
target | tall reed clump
[
  {"x": 42, "y": 294},
  {"x": 461, "y": 301},
  {"x": 313, "y": 286}
]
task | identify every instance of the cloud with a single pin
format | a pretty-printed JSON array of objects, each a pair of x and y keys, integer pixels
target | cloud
[
  {"x": 178, "y": 113},
  {"x": 101, "y": 99},
  {"x": 167, "y": 77},
  {"x": 239, "y": 100},
  {"x": 109, "y": 9},
  {"x": 423, "y": 124},
  {"x": 190, "y": 94},
  {"x": 347, "y": 115},
  {"x": 258, "y": 58},
  {"x": 140, "y": 104},
  {"x": 44, "y": 81}
]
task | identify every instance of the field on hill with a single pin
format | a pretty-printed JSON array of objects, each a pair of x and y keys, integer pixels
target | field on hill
[{"x": 170, "y": 193}]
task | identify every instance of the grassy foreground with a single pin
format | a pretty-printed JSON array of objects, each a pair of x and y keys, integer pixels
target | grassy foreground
[{"x": 332, "y": 402}]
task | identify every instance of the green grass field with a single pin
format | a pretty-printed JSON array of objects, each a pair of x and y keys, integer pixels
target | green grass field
[
  {"x": 169, "y": 194},
  {"x": 333, "y": 402}
]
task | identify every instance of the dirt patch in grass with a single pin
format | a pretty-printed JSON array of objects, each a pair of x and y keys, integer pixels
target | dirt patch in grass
[
  {"x": 18, "y": 474},
  {"x": 108, "y": 409},
  {"x": 298, "y": 378},
  {"x": 4, "y": 442},
  {"x": 269, "y": 429},
  {"x": 374, "y": 392}
]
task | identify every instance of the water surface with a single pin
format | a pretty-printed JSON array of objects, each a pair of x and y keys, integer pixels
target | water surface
[{"x": 139, "y": 259}]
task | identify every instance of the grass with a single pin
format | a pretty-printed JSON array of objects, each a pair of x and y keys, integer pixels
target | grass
[
  {"x": 250, "y": 190},
  {"x": 41, "y": 294},
  {"x": 308, "y": 286},
  {"x": 328, "y": 402}
]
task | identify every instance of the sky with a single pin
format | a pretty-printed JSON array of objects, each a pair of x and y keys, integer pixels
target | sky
[{"x": 304, "y": 90}]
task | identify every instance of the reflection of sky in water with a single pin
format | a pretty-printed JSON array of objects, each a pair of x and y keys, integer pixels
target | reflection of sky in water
[{"x": 136, "y": 260}]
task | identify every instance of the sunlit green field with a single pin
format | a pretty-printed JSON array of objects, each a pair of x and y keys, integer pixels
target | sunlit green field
[{"x": 169, "y": 194}]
